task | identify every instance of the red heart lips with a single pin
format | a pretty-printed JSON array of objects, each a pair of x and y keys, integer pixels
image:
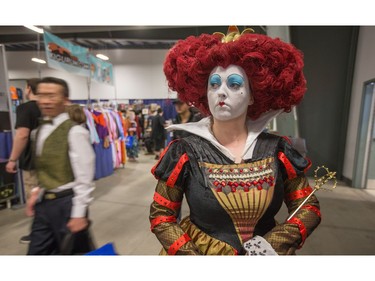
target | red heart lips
[{"x": 221, "y": 103}]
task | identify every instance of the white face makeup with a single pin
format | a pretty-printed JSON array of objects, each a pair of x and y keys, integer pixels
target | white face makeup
[{"x": 228, "y": 92}]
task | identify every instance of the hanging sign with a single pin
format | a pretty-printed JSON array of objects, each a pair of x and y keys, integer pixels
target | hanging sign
[
  {"x": 101, "y": 71},
  {"x": 66, "y": 56}
]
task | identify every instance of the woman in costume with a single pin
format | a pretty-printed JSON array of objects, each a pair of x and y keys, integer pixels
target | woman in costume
[{"x": 234, "y": 176}]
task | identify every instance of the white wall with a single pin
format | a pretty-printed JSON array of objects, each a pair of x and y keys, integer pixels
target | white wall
[
  {"x": 138, "y": 74},
  {"x": 364, "y": 71},
  {"x": 282, "y": 32}
]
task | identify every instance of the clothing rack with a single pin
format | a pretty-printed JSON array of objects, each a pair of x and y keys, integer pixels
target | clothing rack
[{"x": 107, "y": 136}]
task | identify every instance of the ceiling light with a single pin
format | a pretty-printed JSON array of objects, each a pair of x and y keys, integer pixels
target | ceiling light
[
  {"x": 103, "y": 57},
  {"x": 34, "y": 28},
  {"x": 38, "y": 60}
]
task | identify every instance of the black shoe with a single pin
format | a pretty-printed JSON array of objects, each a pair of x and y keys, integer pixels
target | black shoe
[
  {"x": 157, "y": 157},
  {"x": 25, "y": 239}
]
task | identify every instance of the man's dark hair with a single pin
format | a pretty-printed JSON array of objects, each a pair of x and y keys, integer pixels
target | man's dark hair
[
  {"x": 160, "y": 110},
  {"x": 54, "y": 80},
  {"x": 32, "y": 83}
]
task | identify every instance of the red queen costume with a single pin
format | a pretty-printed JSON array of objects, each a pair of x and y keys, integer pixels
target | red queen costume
[{"x": 233, "y": 204}]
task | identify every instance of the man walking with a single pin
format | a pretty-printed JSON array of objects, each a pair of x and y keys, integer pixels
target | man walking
[
  {"x": 158, "y": 132},
  {"x": 27, "y": 117},
  {"x": 65, "y": 166}
]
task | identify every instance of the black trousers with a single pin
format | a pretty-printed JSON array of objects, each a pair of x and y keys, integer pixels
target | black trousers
[
  {"x": 149, "y": 143},
  {"x": 49, "y": 226}
]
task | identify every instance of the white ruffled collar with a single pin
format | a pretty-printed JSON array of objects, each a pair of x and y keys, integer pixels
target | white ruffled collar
[{"x": 202, "y": 128}]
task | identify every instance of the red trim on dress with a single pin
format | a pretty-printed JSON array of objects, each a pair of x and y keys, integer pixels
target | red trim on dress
[
  {"x": 288, "y": 166},
  {"x": 161, "y": 219},
  {"x": 287, "y": 139},
  {"x": 161, "y": 157},
  {"x": 313, "y": 209},
  {"x": 165, "y": 202},
  {"x": 308, "y": 165},
  {"x": 178, "y": 244},
  {"x": 302, "y": 229},
  {"x": 298, "y": 194},
  {"x": 177, "y": 169}
]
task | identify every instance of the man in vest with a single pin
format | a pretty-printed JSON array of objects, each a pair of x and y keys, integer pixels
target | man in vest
[{"x": 65, "y": 166}]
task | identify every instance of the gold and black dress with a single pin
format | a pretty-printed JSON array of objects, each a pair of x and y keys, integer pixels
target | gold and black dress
[{"x": 230, "y": 203}]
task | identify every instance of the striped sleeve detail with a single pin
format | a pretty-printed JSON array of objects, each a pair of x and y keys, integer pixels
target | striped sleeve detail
[
  {"x": 298, "y": 194},
  {"x": 176, "y": 171},
  {"x": 165, "y": 202},
  {"x": 178, "y": 244},
  {"x": 162, "y": 219},
  {"x": 308, "y": 165},
  {"x": 302, "y": 229},
  {"x": 288, "y": 166},
  {"x": 313, "y": 209},
  {"x": 287, "y": 139}
]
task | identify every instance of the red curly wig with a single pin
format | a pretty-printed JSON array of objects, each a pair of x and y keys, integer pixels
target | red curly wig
[{"x": 274, "y": 69}]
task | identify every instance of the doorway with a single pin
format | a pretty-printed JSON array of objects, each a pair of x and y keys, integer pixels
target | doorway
[
  {"x": 371, "y": 163},
  {"x": 364, "y": 166}
]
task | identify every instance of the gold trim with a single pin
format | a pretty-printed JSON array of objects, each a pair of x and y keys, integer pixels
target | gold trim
[
  {"x": 245, "y": 208},
  {"x": 233, "y": 34},
  {"x": 244, "y": 176},
  {"x": 265, "y": 161},
  {"x": 206, "y": 243}
]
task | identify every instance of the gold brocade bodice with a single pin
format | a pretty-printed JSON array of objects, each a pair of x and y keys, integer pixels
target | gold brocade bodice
[{"x": 244, "y": 191}]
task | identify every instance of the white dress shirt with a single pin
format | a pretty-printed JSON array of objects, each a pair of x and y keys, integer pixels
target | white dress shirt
[{"x": 82, "y": 160}]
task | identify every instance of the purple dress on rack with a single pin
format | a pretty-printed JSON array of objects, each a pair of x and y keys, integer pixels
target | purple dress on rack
[{"x": 104, "y": 158}]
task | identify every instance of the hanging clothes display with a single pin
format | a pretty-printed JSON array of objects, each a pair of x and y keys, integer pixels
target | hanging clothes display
[
  {"x": 107, "y": 135},
  {"x": 109, "y": 129},
  {"x": 115, "y": 135},
  {"x": 125, "y": 126},
  {"x": 99, "y": 138},
  {"x": 121, "y": 137}
]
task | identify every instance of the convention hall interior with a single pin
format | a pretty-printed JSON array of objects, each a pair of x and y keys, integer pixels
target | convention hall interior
[{"x": 333, "y": 126}]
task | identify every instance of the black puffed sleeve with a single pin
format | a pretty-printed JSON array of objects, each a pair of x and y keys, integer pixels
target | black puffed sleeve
[
  {"x": 172, "y": 167},
  {"x": 293, "y": 163}
]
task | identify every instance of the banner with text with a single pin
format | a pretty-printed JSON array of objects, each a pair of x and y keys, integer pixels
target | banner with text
[{"x": 66, "y": 56}]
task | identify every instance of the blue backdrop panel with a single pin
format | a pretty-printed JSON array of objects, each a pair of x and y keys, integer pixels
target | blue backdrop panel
[{"x": 5, "y": 144}]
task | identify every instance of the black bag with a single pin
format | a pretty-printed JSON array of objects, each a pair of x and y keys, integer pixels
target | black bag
[{"x": 79, "y": 243}]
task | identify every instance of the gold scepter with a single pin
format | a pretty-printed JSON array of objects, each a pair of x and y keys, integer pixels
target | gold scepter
[{"x": 319, "y": 182}]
